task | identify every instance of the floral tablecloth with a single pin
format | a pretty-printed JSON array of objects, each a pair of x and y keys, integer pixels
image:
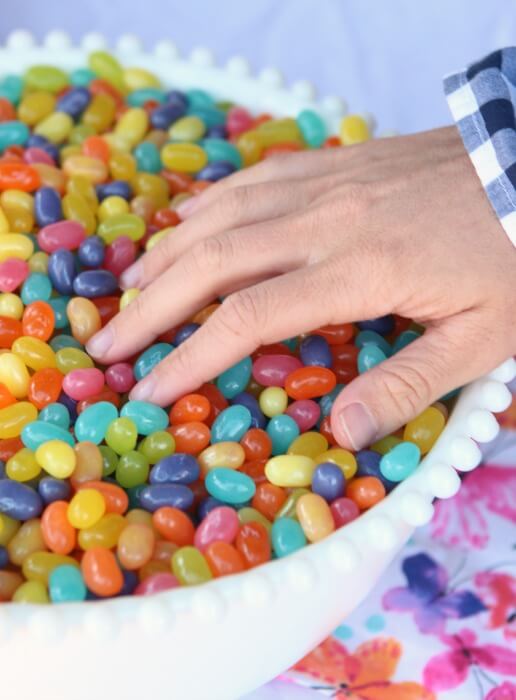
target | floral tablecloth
[{"x": 441, "y": 625}]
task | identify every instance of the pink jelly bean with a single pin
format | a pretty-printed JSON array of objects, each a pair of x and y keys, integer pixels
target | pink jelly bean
[
  {"x": 13, "y": 272},
  {"x": 272, "y": 370},
  {"x": 37, "y": 155},
  {"x": 63, "y": 234},
  {"x": 119, "y": 255},
  {"x": 305, "y": 412},
  {"x": 220, "y": 525},
  {"x": 344, "y": 510},
  {"x": 238, "y": 120},
  {"x": 155, "y": 583},
  {"x": 120, "y": 377},
  {"x": 80, "y": 384}
]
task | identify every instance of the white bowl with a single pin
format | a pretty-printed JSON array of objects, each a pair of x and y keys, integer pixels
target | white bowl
[{"x": 231, "y": 635}]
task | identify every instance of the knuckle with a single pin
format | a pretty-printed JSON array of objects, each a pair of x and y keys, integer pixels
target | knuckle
[
  {"x": 208, "y": 253},
  {"x": 235, "y": 203},
  {"x": 407, "y": 386},
  {"x": 240, "y": 315}
]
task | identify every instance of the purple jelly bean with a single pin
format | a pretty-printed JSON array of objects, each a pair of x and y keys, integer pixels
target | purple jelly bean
[
  {"x": 70, "y": 404},
  {"x": 131, "y": 580},
  {"x": 305, "y": 412},
  {"x": 216, "y": 170},
  {"x": 92, "y": 251},
  {"x": 315, "y": 351},
  {"x": 4, "y": 557},
  {"x": 2, "y": 469},
  {"x": 185, "y": 332},
  {"x": 47, "y": 206},
  {"x": 51, "y": 490},
  {"x": 19, "y": 501},
  {"x": 328, "y": 481},
  {"x": 178, "y": 468},
  {"x": 158, "y": 495},
  {"x": 247, "y": 400},
  {"x": 74, "y": 102},
  {"x": 272, "y": 370},
  {"x": 95, "y": 283},
  {"x": 116, "y": 188},
  {"x": 62, "y": 271},
  {"x": 368, "y": 464},
  {"x": 382, "y": 325},
  {"x": 165, "y": 115}
]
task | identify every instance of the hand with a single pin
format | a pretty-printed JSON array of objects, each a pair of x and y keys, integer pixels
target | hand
[{"x": 396, "y": 225}]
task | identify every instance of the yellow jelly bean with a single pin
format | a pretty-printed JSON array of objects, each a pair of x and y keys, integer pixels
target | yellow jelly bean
[
  {"x": 22, "y": 466},
  {"x": 288, "y": 509},
  {"x": 38, "y": 262},
  {"x": 315, "y": 517},
  {"x": 14, "y": 374},
  {"x": 86, "y": 508},
  {"x": 353, "y": 129},
  {"x": 68, "y": 359},
  {"x": 187, "y": 129},
  {"x": 78, "y": 184},
  {"x": 137, "y": 516},
  {"x": 8, "y": 528},
  {"x": 27, "y": 540},
  {"x": 108, "y": 68},
  {"x": 157, "y": 237},
  {"x": 132, "y": 125},
  {"x": 290, "y": 470},
  {"x": 14, "y": 418},
  {"x": 35, "y": 353},
  {"x": 69, "y": 151},
  {"x": 385, "y": 444},
  {"x": 184, "y": 157},
  {"x": 250, "y": 147},
  {"x": 152, "y": 186},
  {"x": 35, "y": 106},
  {"x": 56, "y": 127},
  {"x": 273, "y": 401},
  {"x": 122, "y": 166},
  {"x": 279, "y": 131},
  {"x": 15, "y": 245},
  {"x": 112, "y": 206},
  {"x": 33, "y": 592},
  {"x": 221, "y": 454},
  {"x": 21, "y": 221},
  {"x": 57, "y": 458},
  {"x": 144, "y": 206},
  {"x": 122, "y": 225},
  {"x": 104, "y": 533},
  {"x": 128, "y": 296},
  {"x": 80, "y": 133},
  {"x": 39, "y": 565},
  {"x": 190, "y": 567},
  {"x": 100, "y": 113},
  {"x": 425, "y": 429},
  {"x": 11, "y": 305},
  {"x": 251, "y": 515},
  {"x": 309, "y": 444},
  {"x": 138, "y": 78},
  {"x": 46, "y": 78},
  {"x": 16, "y": 199},
  {"x": 342, "y": 458},
  {"x": 84, "y": 318},
  {"x": 92, "y": 169},
  {"x": 4, "y": 222},
  {"x": 75, "y": 208}
]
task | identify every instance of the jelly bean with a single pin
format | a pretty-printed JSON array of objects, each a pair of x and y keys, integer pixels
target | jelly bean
[
  {"x": 82, "y": 383},
  {"x": 74, "y": 102},
  {"x": 343, "y": 458},
  {"x": 93, "y": 422},
  {"x": 120, "y": 377},
  {"x": 57, "y": 458},
  {"x": 132, "y": 469},
  {"x": 190, "y": 567},
  {"x": 156, "y": 583},
  {"x": 19, "y": 501},
  {"x": 95, "y": 283},
  {"x": 382, "y": 325},
  {"x": 13, "y": 273},
  {"x": 46, "y": 78},
  {"x": 365, "y": 491},
  {"x": 223, "y": 454},
  {"x": 160, "y": 495},
  {"x": 273, "y": 401},
  {"x": 310, "y": 382},
  {"x": 10, "y": 582},
  {"x": 86, "y": 508},
  {"x": 216, "y": 171},
  {"x": 14, "y": 418},
  {"x": 184, "y": 157},
  {"x": 187, "y": 129},
  {"x": 370, "y": 356},
  {"x": 147, "y": 157},
  {"x": 22, "y": 466},
  {"x": 177, "y": 468},
  {"x": 404, "y": 339},
  {"x": 26, "y": 541},
  {"x": 34, "y": 353},
  {"x": 229, "y": 485},
  {"x": 309, "y": 444},
  {"x": 10, "y": 330},
  {"x": 66, "y": 585},
  {"x": 282, "y": 430},
  {"x": 253, "y": 544},
  {"x": 147, "y": 417},
  {"x": 174, "y": 525},
  {"x": 84, "y": 320},
  {"x": 33, "y": 592},
  {"x": 192, "y": 407},
  {"x": 231, "y": 424},
  {"x": 58, "y": 534},
  {"x": 368, "y": 463},
  {"x": 268, "y": 499},
  {"x": 12, "y": 133},
  {"x": 150, "y": 358},
  {"x": 353, "y": 129},
  {"x": 369, "y": 337},
  {"x": 185, "y": 332},
  {"x": 13, "y": 374},
  {"x": 235, "y": 379},
  {"x": 290, "y": 470},
  {"x": 11, "y": 306},
  {"x": 92, "y": 169},
  {"x": 287, "y": 537},
  {"x": 344, "y": 511},
  {"x": 121, "y": 435},
  {"x": 47, "y": 206},
  {"x": 4, "y": 557},
  {"x": 88, "y": 465},
  {"x": 220, "y": 525},
  {"x": 223, "y": 559},
  {"x": 11, "y": 88},
  {"x": 385, "y": 444},
  {"x": 115, "y": 498},
  {"x": 45, "y": 387},
  {"x": 315, "y": 351},
  {"x": 315, "y": 517},
  {"x": 37, "y": 287},
  {"x": 191, "y": 437},
  {"x": 105, "y": 533},
  {"x": 217, "y": 149},
  {"x": 328, "y": 481},
  {"x": 312, "y": 128},
  {"x": 38, "y": 320},
  {"x": 272, "y": 370},
  {"x": 63, "y": 234},
  {"x": 56, "y": 127},
  {"x": 39, "y": 565},
  {"x": 91, "y": 252},
  {"x": 15, "y": 245},
  {"x": 52, "y": 490},
  {"x": 425, "y": 429},
  {"x": 55, "y": 413},
  {"x": 112, "y": 205},
  {"x": 135, "y": 546},
  {"x": 257, "y": 444},
  {"x": 8, "y": 528},
  {"x": 400, "y": 462},
  {"x": 101, "y": 572},
  {"x": 39, "y": 262},
  {"x": 249, "y": 402}
]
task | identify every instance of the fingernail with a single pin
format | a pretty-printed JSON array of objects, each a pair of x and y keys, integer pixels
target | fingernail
[
  {"x": 132, "y": 277},
  {"x": 188, "y": 206},
  {"x": 359, "y": 425},
  {"x": 100, "y": 343},
  {"x": 144, "y": 390}
]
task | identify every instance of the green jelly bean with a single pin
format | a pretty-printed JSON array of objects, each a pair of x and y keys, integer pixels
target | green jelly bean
[
  {"x": 109, "y": 460},
  {"x": 93, "y": 422},
  {"x": 312, "y": 128},
  {"x": 105, "y": 66},
  {"x": 139, "y": 97},
  {"x": 39, "y": 431},
  {"x": 13, "y": 134},
  {"x": 46, "y": 78},
  {"x": 287, "y": 536},
  {"x": 122, "y": 225},
  {"x": 122, "y": 435},
  {"x": 218, "y": 149},
  {"x": 132, "y": 469},
  {"x": 147, "y": 417},
  {"x": 157, "y": 445},
  {"x": 190, "y": 567},
  {"x": 288, "y": 509}
]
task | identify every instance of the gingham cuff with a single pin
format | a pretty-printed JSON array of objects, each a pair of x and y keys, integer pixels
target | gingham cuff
[{"x": 481, "y": 99}]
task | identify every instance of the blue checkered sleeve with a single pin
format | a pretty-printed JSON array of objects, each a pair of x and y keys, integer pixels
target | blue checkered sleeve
[{"x": 482, "y": 100}]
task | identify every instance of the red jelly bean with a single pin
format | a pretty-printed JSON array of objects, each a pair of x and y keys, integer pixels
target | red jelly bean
[
  {"x": 268, "y": 499},
  {"x": 345, "y": 362},
  {"x": 59, "y": 536},
  {"x": 224, "y": 559},
  {"x": 18, "y": 176},
  {"x": 106, "y": 394},
  {"x": 253, "y": 544},
  {"x": 310, "y": 382},
  {"x": 96, "y": 147},
  {"x": 45, "y": 386},
  {"x": 63, "y": 234},
  {"x": 13, "y": 273},
  {"x": 326, "y": 431},
  {"x": 273, "y": 370},
  {"x": 306, "y": 413},
  {"x": 9, "y": 447},
  {"x": 38, "y": 320},
  {"x": 174, "y": 525},
  {"x": 164, "y": 218},
  {"x": 255, "y": 469},
  {"x": 257, "y": 444},
  {"x": 338, "y": 334},
  {"x": 177, "y": 182},
  {"x": 192, "y": 407},
  {"x": 108, "y": 307},
  {"x": 37, "y": 155},
  {"x": 101, "y": 572},
  {"x": 215, "y": 397},
  {"x": 119, "y": 255},
  {"x": 120, "y": 377},
  {"x": 7, "y": 111},
  {"x": 10, "y": 330},
  {"x": 344, "y": 510},
  {"x": 238, "y": 120}
]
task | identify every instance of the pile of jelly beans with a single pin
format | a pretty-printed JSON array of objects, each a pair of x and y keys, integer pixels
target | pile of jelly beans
[{"x": 102, "y": 496}]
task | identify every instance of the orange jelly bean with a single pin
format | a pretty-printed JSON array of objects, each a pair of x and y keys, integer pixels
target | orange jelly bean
[
  {"x": 101, "y": 572},
  {"x": 117, "y": 500},
  {"x": 88, "y": 465},
  {"x": 268, "y": 499},
  {"x": 18, "y": 176},
  {"x": 174, "y": 525},
  {"x": 257, "y": 444},
  {"x": 191, "y": 438},
  {"x": 38, "y": 320},
  {"x": 337, "y": 334},
  {"x": 96, "y": 147},
  {"x": 58, "y": 534},
  {"x": 253, "y": 544},
  {"x": 192, "y": 407},
  {"x": 135, "y": 546},
  {"x": 9, "y": 447},
  {"x": 7, "y": 111},
  {"x": 45, "y": 386},
  {"x": 310, "y": 382},
  {"x": 255, "y": 469},
  {"x": 365, "y": 491},
  {"x": 224, "y": 559},
  {"x": 10, "y": 330},
  {"x": 6, "y": 398},
  {"x": 10, "y": 581},
  {"x": 164, "y": 550}
]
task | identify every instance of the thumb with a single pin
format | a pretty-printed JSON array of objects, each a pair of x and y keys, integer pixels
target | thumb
[{"x": 386, "y": 397}]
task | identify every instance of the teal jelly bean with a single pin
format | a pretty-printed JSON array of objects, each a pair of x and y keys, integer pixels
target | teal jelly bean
[
  {"x": 93, "y": 422},
  {"x": 199, "y": 98},
  {"x": 373, "y": 338},
  {"x": 37, "y": 287},
  {"x": 59, "y": 305},
  {"x": 235, "y": 379},
  {"x": 134, "y": 495},
  {"x": 230, "y": 486},
  {"x": 56, "y": 414},
  {"x": 287, "y": 536},
  {"x": 148, "y": 159},
  {"x": 218, "y": 149},
  {"x": 66, "y": 585},
  {"x": 312, "y": 127},
  {"x": 211, "y": 116},
  {"x": 146, "y": 416},
  {"x": 13, "y": 134},
  {"x": 369, "y": 357},
  {"x": 404, "y": 339},
  {"x": 326, "y": 402},
  {"x": 231, "y": 424},
  {"x": 11, "y": 87},
  {"x": 282, "y": 430},
  {"x": 400, "y": 462},
  {"x": 150, "y": 358},
  {"x": 451, "y": 394},
  {"x": 64, "y": 341},
  {"x": 82, "y": 77},
  {"x": 138, "y": 98},
  {"x": 38, "y": 432},
  {"x": 291, "y": 343}
]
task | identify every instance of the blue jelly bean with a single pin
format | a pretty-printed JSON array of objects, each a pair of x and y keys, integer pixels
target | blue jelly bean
[
  {"x": 150, "y": 358},
  {"x": 159, "y": 495},
  {"x": 94, "y": 421},
  {"x": 246, "y": 399},
  {"x": 235, "y": 379},
  {"x": 4, "y": 557},
  {"x": 11, "y": 87},
  {"x": 66, "y": 584},
  {"x": 47, "y": 206},
  {"x": 116, "y": 188},
  {"x": 82, "y": 77},
  {"x": 19, "y": 501},
  {"x": 230, "y": 486},
  {"x": 74, "y": 102},
  {"x": 37, "y": 287},
  {"x": 369, "y": 357},
  {"x": 328, "y": 481},
  {"x": 207, "y": 505},
  {"x": 38, "y": 432},
  {"x": 287, "y": 537},
  {"x": 368, "y": 464},
  {"x": 185, "y": 332},
  {"x": 373, "y": 338},
  {"x": 131, "y": 580},
  {"x": 147, "y": 417},
  {"x": 95, "y": 283},
  {"x": 178, "y": 468},
  {"x": 163, "y": 116},
  {"x": 138, "y": 98},
  {"x": 2, "y": 469},
  {"x": 92, "y": 251},
  {"x": 282, "y": 430},
  {"x": 64, "y": 340},
  {"x": 62, "y": 270},
  {"x": 211, "y": 116},
  {"x": 400, "y": 462},
  {"x": 326, "y": 402},
  {"x": 231, "y": 424},
  {"x": 217, "y": 149},
  {"x": 312, "y": 128},
  {"x": 70, "y": 404},
  {"x": 51, "y": 490},
  {"x": 56, "y": 414},
  {"x": 382, "y": 325},
  {"x": 216, "y": 171},
  {"x": 13, "y": 134},
  {"x": 315, "y": 352},
  {"x": 178, "y": 97},
  {"x": 148, "y": 159}
]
